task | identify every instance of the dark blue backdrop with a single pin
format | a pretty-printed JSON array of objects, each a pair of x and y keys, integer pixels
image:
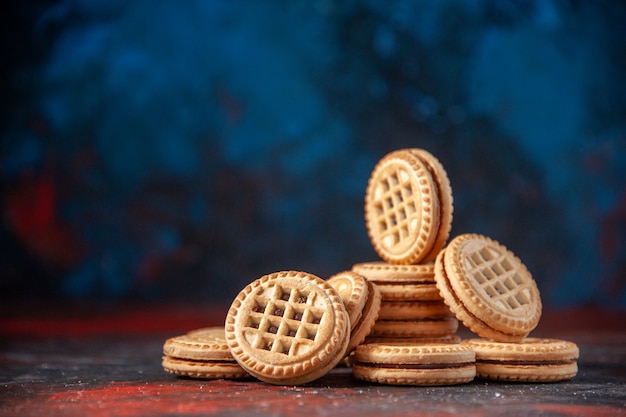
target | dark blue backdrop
[{"x": 181, "y": 149}]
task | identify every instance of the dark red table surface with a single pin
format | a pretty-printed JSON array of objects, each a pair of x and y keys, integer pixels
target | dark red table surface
[{"x": 106, "y": 361}]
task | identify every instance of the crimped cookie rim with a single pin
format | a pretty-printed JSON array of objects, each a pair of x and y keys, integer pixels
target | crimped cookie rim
[
  {"x": 462, "y": 314},
  {"x": 326, "y": 353},
  {"x": 498, "y": 320},
  {"x": 382, "y": 271},
  {"x": 446, "y": 200},
  {"x": 531, "y": 349},
  {"x": 358, "y": 295},
  {"x": 370, "y": 314},
  {"x": 415, "y": 377}
]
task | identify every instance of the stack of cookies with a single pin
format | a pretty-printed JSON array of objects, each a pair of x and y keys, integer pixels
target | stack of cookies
[
  {"x": 394, "y": 321},
  {"x": 411, "y": 308},
  {"x": 408, "y": 214}
]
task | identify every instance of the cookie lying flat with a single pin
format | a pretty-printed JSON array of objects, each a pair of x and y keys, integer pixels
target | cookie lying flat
[
  {"x": 201, "y": 353},
  {"x": 488, "y": 288},
  {"x": 384, "y": 272},
  {"x": 532, "y": 360},
  {"x": 402, "y": 208},
  {"x": 413, "y": 310},
  {"x": 408, "y": 364},
  {"x": 288, "y": 328}
]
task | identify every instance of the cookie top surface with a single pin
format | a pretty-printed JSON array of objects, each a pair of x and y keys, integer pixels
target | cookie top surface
[
  {"x": 531, "y": 349},
  {"x": 379, "y": 271},
  {"x": 207, "y": 344},
  {"x": 353, "y": 290},
  {"x": 412, "y": 353},
  {"x": 492, "y": 283},
  {"x": 402, "y": 208},
  {"x": 287, "y": 325}
]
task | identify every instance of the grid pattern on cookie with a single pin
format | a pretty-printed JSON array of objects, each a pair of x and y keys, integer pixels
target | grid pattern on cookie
[
  {"x": 395, "y": 207},
  {"x": 286, "y": 322},
  {"x": 498, "y": 278}
]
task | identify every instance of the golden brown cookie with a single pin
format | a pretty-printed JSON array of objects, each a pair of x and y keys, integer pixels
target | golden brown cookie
[
  {"x": 531, "y": 360},
  {"x": 413, "y": 310},
  {"x": 423, "y": 340},
  {"x": 402, "y": 208},
  {"x": 408, "y": 364},
  {"x": 203, "y": 369},
  {"x": 368, "y": 319},
  {"x": 409, "y": 292},
  {"x": 288, "y": 328},
  {"x": 384, "y": 272},
  {"x": 488, "y": 288},
  {"x": 416, "y": 328},
  {"x": 353, "y": 290},
  {"x": 446, "y": 206},
  {"x": 201, "y": 353}
]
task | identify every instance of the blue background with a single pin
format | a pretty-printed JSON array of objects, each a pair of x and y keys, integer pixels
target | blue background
[{"x": 177, "y": 150}]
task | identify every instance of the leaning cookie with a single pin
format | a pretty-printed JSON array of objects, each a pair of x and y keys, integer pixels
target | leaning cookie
[
  {"x": 414, "y": 364},
  {"x": 488, "y": 288},
  {"x": 288, "y": 328},
  {"x": 532, "y": 360},
  {"x": 201, "y": 353}
]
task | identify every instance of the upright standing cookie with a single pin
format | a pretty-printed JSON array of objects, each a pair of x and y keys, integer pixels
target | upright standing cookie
[
  {"x": 532, "y": 360},
  {"x": 402, "y": 208},
  {"x": 288, "y": 328},
  {"x": 488, "y": 288},
  {"x": 444, "y": 193},
  {"x": 362, "y": 300}
]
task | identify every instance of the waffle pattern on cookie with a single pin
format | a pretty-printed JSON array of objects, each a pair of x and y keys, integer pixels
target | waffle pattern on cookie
[
  {"x": 402, "y": 208},
  {"x": 286, "y": 322},
  {"x": 288, "y": 327},
  {"x": 493, "y": 284},
  {"x": 498, "y": 279}
]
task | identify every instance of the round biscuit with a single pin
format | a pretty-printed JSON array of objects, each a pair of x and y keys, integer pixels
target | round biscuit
[
  {"x": 461, "y": 313},
  {"x": 531, "y": 360},
  {"x": 203, "y": 369},
  {"x": 413, "y": 310},
  {"x": 409, "y": 292},
  {"x": 416, "y": 328},
  {"x": 287, "y": 328},
  {"x": 410, "y": 364},
  {"x": 380, "y": 271},
  {"x": 492, "y": 284},
  {"x": 202, "y": 344},
  {"x": 402, "y": 208},
  {"x": 446, "y": 200}
]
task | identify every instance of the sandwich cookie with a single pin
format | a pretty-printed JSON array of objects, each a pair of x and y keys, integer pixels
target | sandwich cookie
[
  {"x": 362, "y": 301},
  {"x": 288, "y": 328},
  {"x": 532, "y": 360},
  {"x": 488, "y": 288},
  {"x": 444, "y": 193},
  {"x": 201, "y": 353},
  {"x": 402, "y": 208},
  {"x": 410, "y": 364},
  {"x": 401, "y": 282}
]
